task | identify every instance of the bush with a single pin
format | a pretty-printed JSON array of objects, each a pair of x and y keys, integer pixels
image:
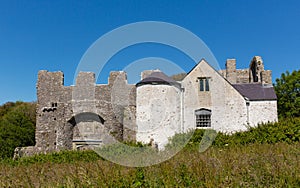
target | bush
[
  {"x": 287, "y": 130},
  {"x": 17, "y": 127},
  {"x": 288, "y": 93}
]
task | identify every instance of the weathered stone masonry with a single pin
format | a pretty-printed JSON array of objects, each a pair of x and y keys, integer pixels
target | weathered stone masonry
[
  {"x": 88, "y": 114},
  {"x": 70, "y": 115},
  {"x": 255, "y": 72}
]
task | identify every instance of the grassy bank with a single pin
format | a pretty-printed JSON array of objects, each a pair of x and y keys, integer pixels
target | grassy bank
[
  {"x": 265, "y": 156},
  {"x": 258, "y": 165}
]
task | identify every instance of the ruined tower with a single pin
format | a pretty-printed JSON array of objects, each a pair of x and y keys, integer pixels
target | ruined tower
[
  {"x": 82, "y": 115},
  {"x": 257, "y": 73},
  {"x": 254, "y": 74}
]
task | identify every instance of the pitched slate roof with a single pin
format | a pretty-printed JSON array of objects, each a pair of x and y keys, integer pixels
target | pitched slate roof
[
  {"x": 156, "y": 78},
  {"x": 256, "y": 91}
]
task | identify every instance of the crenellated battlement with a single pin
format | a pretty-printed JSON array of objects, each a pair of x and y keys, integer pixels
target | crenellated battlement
[
  {"x": 50, "y": 79},
  {"x": 85, "y": 79},
  {"x": 117, "y": 76},
  {"x": 58, "y": 105},
  {"x": 87, "y": 114},
  {"x": 56, "y": 79}
]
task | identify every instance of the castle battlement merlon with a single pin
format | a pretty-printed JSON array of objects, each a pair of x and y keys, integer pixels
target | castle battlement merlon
[
  {"x": 85, "y": 79},
  {"x": 119, "y": 76},
  {"x": 56, "y": 79},
  {"x": 68, "y": 115}
]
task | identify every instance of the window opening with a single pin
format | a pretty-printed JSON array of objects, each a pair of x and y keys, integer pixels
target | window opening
[
  {"x": 204, "y": 84},
  {"x": 203, "y": 117}
]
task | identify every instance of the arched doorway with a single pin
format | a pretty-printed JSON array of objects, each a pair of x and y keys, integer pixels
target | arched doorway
[{"x": 87, "y": 130}]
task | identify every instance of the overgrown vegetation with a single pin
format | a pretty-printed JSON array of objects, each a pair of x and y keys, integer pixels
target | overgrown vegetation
[
  {"x": 17, "y": 127},
  {"x": 254, "y": 165},
  {"x": 288, "y": 93},
  {"x": 265, "y": 156},
  {"x": 287, "y": 130}
]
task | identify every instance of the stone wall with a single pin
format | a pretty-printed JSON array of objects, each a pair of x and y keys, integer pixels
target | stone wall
[
  {"x": 67, "y": 116},
  {"x": 255, "y": 72},
  {"x": 243, "y": 76},
  {"x": 255, "y": 68},
  {"x": 231, "y": 73},
  {"x": 228, "y": 107},
  {"x": 266, "y": 77},
  {"x": 84, "y": 112}
]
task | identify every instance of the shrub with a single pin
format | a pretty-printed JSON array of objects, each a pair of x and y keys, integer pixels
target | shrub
[
  {"x": 287, "y": 130},
  {"x": 17, "y": 127}
]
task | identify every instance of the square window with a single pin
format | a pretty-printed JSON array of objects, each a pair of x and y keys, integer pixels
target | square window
[{"x": 203, "y": 118}]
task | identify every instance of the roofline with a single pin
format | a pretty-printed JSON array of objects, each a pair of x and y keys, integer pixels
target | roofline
[
  {"x": 247, "y": 99},
  {"x": 173, "y": 84},
  {"x": 209, "y": 66},
  {"x": 226, "y": 80},
  {"x": 262, "y": 100},
  {"x": 159, "y": 80},
  {"x": 202, "y": 59}
]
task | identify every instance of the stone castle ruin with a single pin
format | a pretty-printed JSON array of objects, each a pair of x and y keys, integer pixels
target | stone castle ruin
[
  {"x": 91, "y": 115},
  {"x": 254, "y": 74},
  {"x": 69, "y": 117}
]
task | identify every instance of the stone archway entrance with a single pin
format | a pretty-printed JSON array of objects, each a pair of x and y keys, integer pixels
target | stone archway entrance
[{"x": 87, "y": 130}]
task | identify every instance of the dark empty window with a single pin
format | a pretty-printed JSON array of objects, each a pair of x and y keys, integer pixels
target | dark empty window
[
  {"x": 254, "y": 72},
  {"x": 204, "y": 84},
  {"x": 203, "y": 117},
  {"x": 201, "y": 85}
]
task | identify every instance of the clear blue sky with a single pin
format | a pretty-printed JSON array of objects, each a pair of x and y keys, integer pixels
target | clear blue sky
[{"x": 53, "y": 35}]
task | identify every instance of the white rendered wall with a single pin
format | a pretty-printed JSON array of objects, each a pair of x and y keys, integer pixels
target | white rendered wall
[
  {"x": 158, "y": 107},
  {"x": 262, "y": 112},
  {"x": 157, "y": 113},
  {"x": 228, "y": 107}
]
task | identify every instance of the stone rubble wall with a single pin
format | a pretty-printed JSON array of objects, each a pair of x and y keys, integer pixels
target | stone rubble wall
[
  {"x": 148, "y": 113},
  {"x": 59, "y": 105},
  {"x": 242, "y": 76}
]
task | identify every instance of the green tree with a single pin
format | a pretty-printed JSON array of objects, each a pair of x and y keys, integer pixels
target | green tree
[
  {"x": 288, "y": 93},
  {"x": 17, "y": 127}
]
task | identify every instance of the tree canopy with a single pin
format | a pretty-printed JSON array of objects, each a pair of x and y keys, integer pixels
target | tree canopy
[
  {"x": 288, "y": 93},
  {"x": 17, "y": 126},
  {"x": 17, "y": 119}
]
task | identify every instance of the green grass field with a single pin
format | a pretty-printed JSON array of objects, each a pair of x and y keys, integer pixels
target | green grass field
[
  {"x": 254, "y": 165},
  {"x": 266, "y": 156}
]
